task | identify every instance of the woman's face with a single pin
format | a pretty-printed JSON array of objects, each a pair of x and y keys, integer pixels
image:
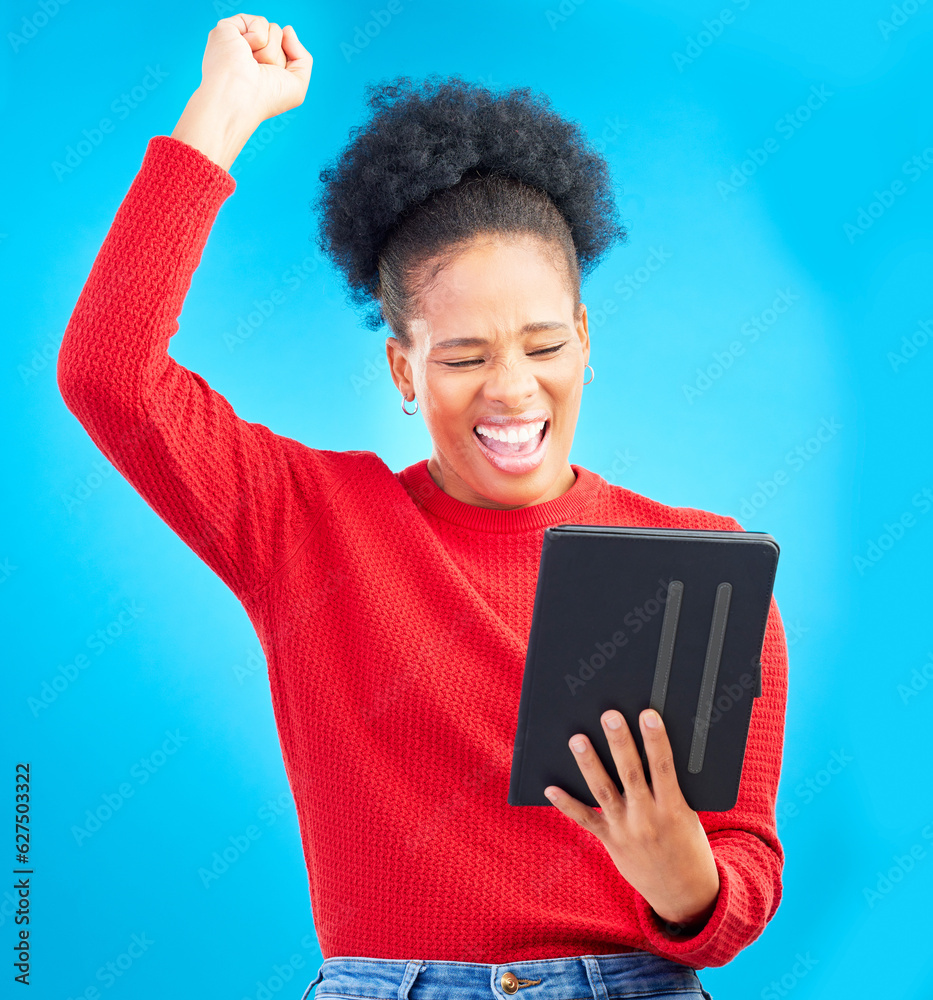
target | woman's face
[{"x": 497, "y": 346}]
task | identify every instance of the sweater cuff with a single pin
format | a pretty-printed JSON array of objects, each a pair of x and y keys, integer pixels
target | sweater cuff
[
  {"x": 706, "y": 945},
  {"x": 182, "y": 165}
]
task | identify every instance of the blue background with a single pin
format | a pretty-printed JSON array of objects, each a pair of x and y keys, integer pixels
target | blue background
[{"x": 677, "y": 113}]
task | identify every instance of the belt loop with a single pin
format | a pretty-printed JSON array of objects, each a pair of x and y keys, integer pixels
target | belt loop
[
  {"x": 311, "y": 985},
  {"x": 412, "y": 969},
  {"x": 595, "y": 977}
]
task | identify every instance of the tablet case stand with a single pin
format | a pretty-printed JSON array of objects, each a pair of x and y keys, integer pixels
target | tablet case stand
[{"x": 630, "y": 618}]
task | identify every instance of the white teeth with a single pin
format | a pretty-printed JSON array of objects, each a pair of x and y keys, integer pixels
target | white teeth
[{"x": 512, "y": 434}]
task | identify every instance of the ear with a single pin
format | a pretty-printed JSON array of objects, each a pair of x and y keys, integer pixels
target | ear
[
  {"x": 583, "y": 331},
  {"x": 399, "y": 367}
]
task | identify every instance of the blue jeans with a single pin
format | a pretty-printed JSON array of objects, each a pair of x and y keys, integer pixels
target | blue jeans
[{"x": 587, "y": 977}]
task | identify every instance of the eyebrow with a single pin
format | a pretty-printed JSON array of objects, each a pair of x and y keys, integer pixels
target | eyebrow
[{"x": 535, "y": 327}]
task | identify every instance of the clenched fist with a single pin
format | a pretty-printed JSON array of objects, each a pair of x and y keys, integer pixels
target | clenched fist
[
  {"x": 256, "y": 67},
  {"x": 252, "y": 70}
]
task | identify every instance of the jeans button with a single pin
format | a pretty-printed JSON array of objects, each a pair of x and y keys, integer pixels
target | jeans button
[{"x": 508, "y": 982}]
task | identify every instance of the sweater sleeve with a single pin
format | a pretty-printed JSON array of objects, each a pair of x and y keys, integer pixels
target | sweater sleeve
[
  {"x": 744, "y": 839},
  {"x": 241, "y": 497}
]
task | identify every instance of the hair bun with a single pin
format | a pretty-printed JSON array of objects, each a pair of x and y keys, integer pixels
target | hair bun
[{"x": 421, "y": 138}]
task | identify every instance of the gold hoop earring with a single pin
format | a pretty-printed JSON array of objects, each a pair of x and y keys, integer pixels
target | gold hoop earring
[
  {"x": 409, "y": 413},
  {"x": 591, "y": 369}
]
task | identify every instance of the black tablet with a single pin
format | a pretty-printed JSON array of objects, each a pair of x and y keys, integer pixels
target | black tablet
[{"x": 630, "y": 618}]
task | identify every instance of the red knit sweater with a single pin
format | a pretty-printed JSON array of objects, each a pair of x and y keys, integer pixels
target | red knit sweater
[{"x": 394, "y": 620}]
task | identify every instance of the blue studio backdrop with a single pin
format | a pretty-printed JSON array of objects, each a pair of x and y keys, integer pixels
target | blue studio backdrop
[{"x": 763, "y": 347}]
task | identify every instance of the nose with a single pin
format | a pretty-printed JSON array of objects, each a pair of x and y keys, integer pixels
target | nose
[{"x": 510, "y": 383}]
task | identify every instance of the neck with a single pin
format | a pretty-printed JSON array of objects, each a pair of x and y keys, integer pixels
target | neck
[{"x": 448, "y": 481}]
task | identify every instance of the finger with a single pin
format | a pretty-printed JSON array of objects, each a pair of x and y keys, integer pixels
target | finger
[
  {"x": 299, "y": 58},
  {"x": 625, "y": 755},
  {"x": 271, "y": 53},
  {"x": 578, "y": 811},
  {"x": 604, "y": 789},
  {"x": 664, "y": 781},
  {"x": 255, "y": 29}
]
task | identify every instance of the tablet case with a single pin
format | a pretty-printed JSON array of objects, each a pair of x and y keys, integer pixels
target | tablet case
[{"x": 630, "y": 618}]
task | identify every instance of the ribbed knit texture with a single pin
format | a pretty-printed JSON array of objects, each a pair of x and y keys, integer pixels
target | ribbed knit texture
[{"x": 395, "y": 620}]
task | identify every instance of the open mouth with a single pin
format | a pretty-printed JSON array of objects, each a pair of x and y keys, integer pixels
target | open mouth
[
  {"x": 513, "y": 448},
  {"x": 515, "y": 456}
]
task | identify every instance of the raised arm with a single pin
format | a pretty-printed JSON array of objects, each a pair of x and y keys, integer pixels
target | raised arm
[{"x": 226, "y": 486}]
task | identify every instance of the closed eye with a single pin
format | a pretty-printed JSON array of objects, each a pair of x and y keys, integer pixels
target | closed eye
[{"x": 473, "y": 361}]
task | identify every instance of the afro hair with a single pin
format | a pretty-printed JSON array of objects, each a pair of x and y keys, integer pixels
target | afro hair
[{"x": 420, "y": 140}]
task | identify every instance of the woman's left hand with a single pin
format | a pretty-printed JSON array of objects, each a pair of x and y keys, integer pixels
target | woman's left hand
[{"x": 653, "y": 837}]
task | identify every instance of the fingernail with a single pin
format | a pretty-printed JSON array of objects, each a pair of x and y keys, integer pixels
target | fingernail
[
  {"x": 613, "y": 721},
  {"x": 579, "y": 746},
  {"x": 652, "y": 719}
]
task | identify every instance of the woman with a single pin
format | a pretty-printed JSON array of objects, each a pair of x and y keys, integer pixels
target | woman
[{"x": 394, "y": 608}]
